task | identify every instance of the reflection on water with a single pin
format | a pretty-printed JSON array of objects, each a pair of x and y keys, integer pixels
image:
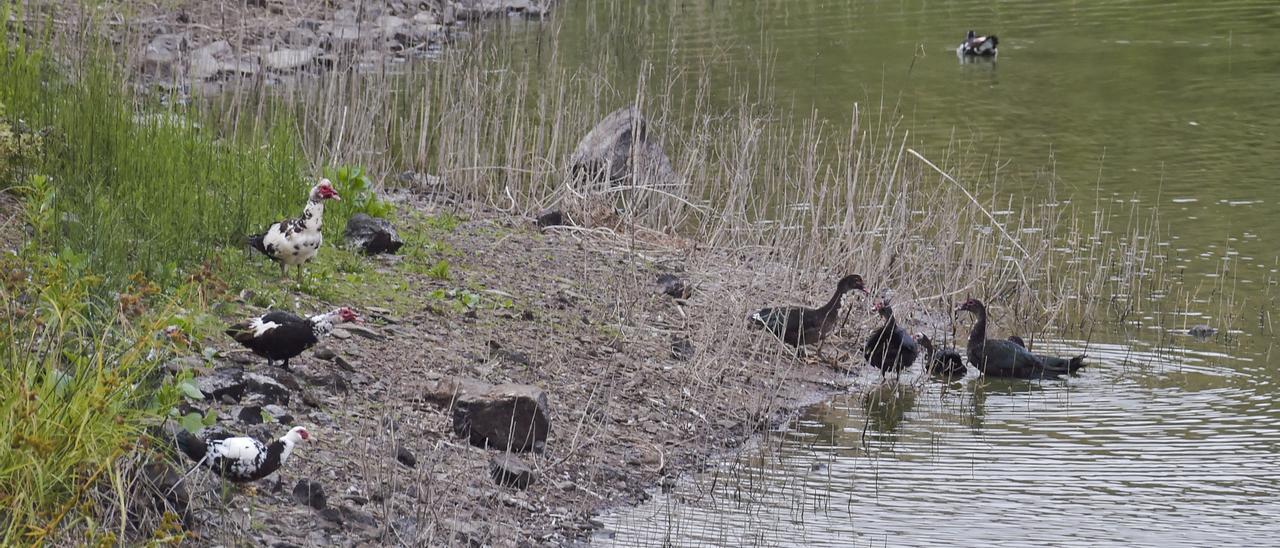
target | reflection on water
[
  {"x": 1163, "y": 452},
  {"x": 1164, "y": 439}
]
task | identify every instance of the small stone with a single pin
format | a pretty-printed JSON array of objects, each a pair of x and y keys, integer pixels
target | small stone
[
  {"x": 310, "y": 493},
  {"x": 280, "y": 414},
  {"x": 310, "y": 399},
  {"x": 682, "y": 349},
  {"x": 340, "y": 333},
  {"x": 224, "y": 382},
  {"x": 509, "y": 470},
  {"x": 250, "y": 414},
  {"x": 365, "y": 332},
  {"x": 550, "y": 217},
  {"x": 267, "y": 388},
  {"x": 324, "y": 353},
  {"x": 674, "y": 286},
  {"x": 343, "y": 364},
  {"x": 405, "y": 457},
  {"x": 497, "y": 351}
]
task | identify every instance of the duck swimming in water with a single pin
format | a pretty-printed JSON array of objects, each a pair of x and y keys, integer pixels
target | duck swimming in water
[{"x": 978, "y": 45}]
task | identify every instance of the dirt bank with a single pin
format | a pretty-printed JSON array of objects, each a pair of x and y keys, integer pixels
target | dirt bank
[{"x": 577, "y": 313}]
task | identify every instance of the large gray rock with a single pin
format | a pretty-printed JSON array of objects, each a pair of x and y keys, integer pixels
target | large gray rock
[
  {"x": 508, "y": 417},
  {"x": 163, "y": 54},
  {"x": 218, "y": 58},
  {"x": 266, "y": 389},
  {"x": 619, "y": 148},
  {"x": 372, "y": 235},
  {"x": 445, "y": 392},
  {"x": 224, "y": 381},
  {"x": 288, "y": 59}
]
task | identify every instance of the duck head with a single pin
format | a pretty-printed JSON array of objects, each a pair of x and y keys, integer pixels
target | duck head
[
  {"x": 324, "y": 191},
  {"x": 852, "y": 282},
  {"x": 972, "y": 305}
]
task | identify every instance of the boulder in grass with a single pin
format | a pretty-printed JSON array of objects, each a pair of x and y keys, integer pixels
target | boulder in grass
[
  {"x": 372, "y": 235},
  {"x": 507, "y": 417},
  {"x": 618, "y": 148}
]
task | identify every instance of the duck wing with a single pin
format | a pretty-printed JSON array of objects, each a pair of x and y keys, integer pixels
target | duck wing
[{"x": 784, "y": 322}]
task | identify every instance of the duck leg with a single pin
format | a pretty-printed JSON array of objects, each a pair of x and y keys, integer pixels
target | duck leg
[{"x": 284, "y": 271}]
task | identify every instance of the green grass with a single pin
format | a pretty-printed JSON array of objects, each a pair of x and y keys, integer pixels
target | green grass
[
  {"x": 78, "y": 394},
  {"x": 137, "y": 187}
]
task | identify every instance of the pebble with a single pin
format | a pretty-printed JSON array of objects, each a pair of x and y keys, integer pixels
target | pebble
[{"x": 340, "y": 333}]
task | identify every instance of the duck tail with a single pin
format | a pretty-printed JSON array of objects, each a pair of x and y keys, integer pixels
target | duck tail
[
  {"x": 256, "y": 241},
  {"x": 193, "y": 447}
]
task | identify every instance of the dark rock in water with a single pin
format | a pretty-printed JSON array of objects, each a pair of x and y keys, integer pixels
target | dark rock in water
[
  {"x": 223, "y": 382},
  {"x": 674, "y": 286},
  {"x": 250, "y": 414},
  {"x": 681, "y": 348},
  {"x": 508, "y": 417},
  {"x": 620, "y": 146},
  {"x": 1202, "y": 331},
  {"x": 372, "y": 235},
  {"x": 310, "y": 493},
  {"x": 266, "y": 389},
  {"x": 551, "y": 217},
  {"x": 509, "y": 470},
  {"x": 405, "y": 457}
]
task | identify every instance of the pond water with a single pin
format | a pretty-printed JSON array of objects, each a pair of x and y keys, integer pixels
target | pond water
[{"x": 1164, "y": 440}]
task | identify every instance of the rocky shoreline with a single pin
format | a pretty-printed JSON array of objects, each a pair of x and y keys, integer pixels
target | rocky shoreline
[
  {"x": 195, "y": 48},
  {"x": 405, "y": 448}
]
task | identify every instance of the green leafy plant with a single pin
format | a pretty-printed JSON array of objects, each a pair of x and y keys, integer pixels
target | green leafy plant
[
  {"x": 357, "y": 192},
  {"x": 440, "y": 270}
]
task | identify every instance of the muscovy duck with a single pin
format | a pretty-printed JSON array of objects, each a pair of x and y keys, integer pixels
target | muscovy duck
[
  {"x": 798, "y": 325},
  {"x": 241, "y": 459},
  {"x": 293, "y": 242},
  {"x": 279, "y": 335},
  {"x": 1004, "y": 358},
  {"x": 890, "y": 348},
  {"x": 943, "y": 362},
  {"x": 1053, "y": 362},
  {"x": 978, "y": 45}
]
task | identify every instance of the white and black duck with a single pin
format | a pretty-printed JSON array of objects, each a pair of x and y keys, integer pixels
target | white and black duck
[
  {"x": 798, "y": 325},
  {"x": 890, "y": 348},
  {"x": 279, "y": 335},
  {"x": 241, "y": 459},
  {"x": 984, "y": 46},
  {"x": 293, "y": 242}
]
